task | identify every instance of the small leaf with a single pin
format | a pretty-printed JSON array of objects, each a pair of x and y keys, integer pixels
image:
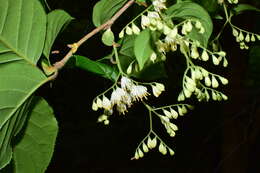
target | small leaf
[
  {"x": 143, "y": 48},
  {"x": 240, "y": 8},
  {"x": 96, "y": 67},
  {"x": 108, "y": 37}
]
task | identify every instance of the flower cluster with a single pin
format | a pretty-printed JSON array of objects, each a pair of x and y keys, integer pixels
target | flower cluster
[
  {"x": 193, "y": 84},
  {"x": 150, "y": 143},
  {"x": 243, "y": 37},
  {"x": 123, "y": 96},
  {"x": 233, "y": 1}
]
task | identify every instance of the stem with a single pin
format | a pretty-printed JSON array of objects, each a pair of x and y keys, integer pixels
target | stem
[
  {"x": 117, "y": 59},
  {"x": 60, "y": 64}
]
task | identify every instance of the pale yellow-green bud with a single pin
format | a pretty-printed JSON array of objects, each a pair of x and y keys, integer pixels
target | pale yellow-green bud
[
  {"x": 258, "y": 37},
  {"x": 180, "y": 111},
  {"x": 253, "y": 38},
  {"x": 171, "y": 152},
  {"x": 207, "y": 81},
  {"x": 128, "y": 31},
  {"x": 122, "y": 33},
  {"x": 225, "y": 62},
  {"x": 198, "y": 24},
  {"x": 153, "y": 57},
  {"x": 94, "y": 106},
  {"x": 224, "y": 96},
  {"x": 190, "y": 87},
  {"x": 204, "y": 72},
  {"x": 99, "y": 102},
  {"x": 173, "y": 33},
  {"x": 149, "y": 142},
  {"x": 241, "y": 36},
  {"x": 172, "y": 133},
  {"x": 136, "y": 155},
  {"x": 174, "y": 113},
  {"x": 162, "y": 149},
  {"x": 198, "y": 74},
  {"x": 106, "y": 122},
  {"x": 173, "y": 127},
  {"x": 214, "y": 96},
  {"x": 154, "y": 142},
  {"x": 167, "y": 113},
  {"x": 234, "y": 32},
  {"x": 215, "y": 60},
  {"x": 189, "y": 26},
  {"x": 156, "y": 91},
  {"x": 184, "y": 29},
  {"x": 140, "y": 153},
  {"x": 160, "y": 86},
  {"x": 202, "y": 30},
  {"x": 181, "y": 97},
  {"x": 194, "y": 52},
  {"x": 222, "y": 53},
  {"x": 129, "y": 69},
  {"x": 187, "y": 92},
  {"x": 184, "y": 109},
  {"x": 145, "y": 148},
  {"x": 223, "y": 80},
  {"x": 214, "y": 82},
  {"x": 205, "y": 56},
  {"x": 135, "y": 29},
  {"x": 247, "y": 39}
]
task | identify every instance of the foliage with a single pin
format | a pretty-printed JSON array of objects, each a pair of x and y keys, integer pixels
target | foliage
[{"x": 139, "y": 55}]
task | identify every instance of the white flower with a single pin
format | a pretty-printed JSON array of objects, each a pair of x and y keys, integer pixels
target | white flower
[
  {"x": 159, "y": 5},
  {"x": 117, "y": 96},
  {"x": 126, "y": 83},
  {"x": 145, "y": 21},
  {"x": 157, "y": 89},
  {"x": 138, "y": 92},
  {"x": 135, "y": 29},
  {"x": 153, "y": 15}
]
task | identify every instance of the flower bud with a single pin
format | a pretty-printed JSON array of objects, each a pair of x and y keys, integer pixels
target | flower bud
[
  {"x": 140, "y": 153},
  {"x": 253, "y": 38},
  {"x": 145, "y": 148},
  {"x": 214, "y": 82},
  {"x": 171, "y": 152},
  {"x": 121, "y": 34},
  {"x": 154, "y": 142},
  {"x": 173, "y": 127},
  {"x": 128, "y": 31},
  {"x": 198, "y": 24},
  {"x": 187, "y": 92},
  {"x": 135, "y": 29},
  {"x": 241, "y": 36},
  {"x": 162, "y": 149},
  {"x": 99, "y": 102},
  {"x": 247, "y": 39},
  {"x": 234, "y": 32},
  {"x": 205, "y": 56},
  {"x": 225, "y": 62},
  {"x": 173, "y": 33},
  {"x": 214, "y": 96},
  {"x": 194, "y": 52},
  {"x": 207, "y": 81},
  {"x": 215, "y": 60},
  {"x": 145, "y": 21},
  {"x": 180, "y": 111},
  {"x": 94, "y": 106},
  {"x": 153, "y": 57},
  {"x": 223, "y": 80},
  {"x": 167, "y": 113},
  {"x": 189, "y": 26},
  {"x": 224, "y": 96},
  {"x": 136, "y": 155},
  {"x": 129, "y": 69},
  {"x": 181, "y": 97},
  {"x": 174, "y": 113}
]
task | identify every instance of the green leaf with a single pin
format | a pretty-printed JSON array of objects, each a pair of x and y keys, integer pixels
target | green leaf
[
  {"x": 105, "y": 9},
  {"x": 143, "y": 48},
  {"x": 33, "y": 152},
  {"x": 240, "y": 8},
  {"x": 186, "y": 10},
  {"x": 96, "y": 67},
  {"x": 55, "y": 22},
  {"x": 22, "y": 35},
  {"x": 108, "y": 37}
]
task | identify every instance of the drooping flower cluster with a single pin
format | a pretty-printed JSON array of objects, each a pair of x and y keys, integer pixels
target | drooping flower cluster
[
  {"x": 123, "y": 97},
  {"x": 244, "y": 37}
]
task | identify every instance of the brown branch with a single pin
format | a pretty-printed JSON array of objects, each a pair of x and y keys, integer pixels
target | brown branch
[{"x": 60, "y": 64}]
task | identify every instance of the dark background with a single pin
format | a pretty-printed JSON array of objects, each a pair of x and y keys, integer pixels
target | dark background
[{"x": 214, "y": 138}]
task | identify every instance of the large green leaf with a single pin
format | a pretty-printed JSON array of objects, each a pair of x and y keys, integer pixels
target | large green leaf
[
  {"x": 96, "y": 67},
  {"x": 143, "y": 48},
  {"x": 22, "y": 35},
  {"x": 186, "y": 10},
  {"x": 33, "y": 153},
  {"x": 55, "y": 22},
  {"x": 105, "y": 9}
]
